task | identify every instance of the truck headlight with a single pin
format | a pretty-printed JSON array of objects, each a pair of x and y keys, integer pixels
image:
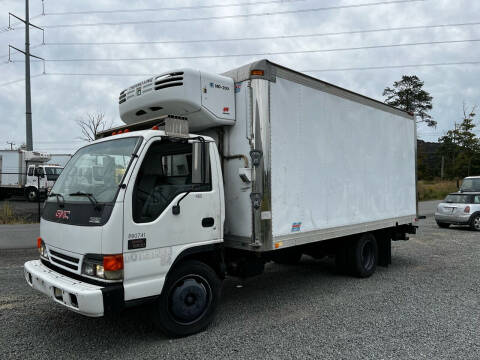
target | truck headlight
[{"x": 109, "y": 267}]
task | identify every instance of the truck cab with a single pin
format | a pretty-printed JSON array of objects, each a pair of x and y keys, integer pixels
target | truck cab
[
  {"x": 40, "y": 179},
  {"x": 124, "y": 210}
]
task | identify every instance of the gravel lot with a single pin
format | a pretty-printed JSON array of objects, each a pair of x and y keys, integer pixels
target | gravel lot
[{"x": 424, "y": 306}]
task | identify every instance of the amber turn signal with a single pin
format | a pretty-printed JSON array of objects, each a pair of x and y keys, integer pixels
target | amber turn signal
[{"x": 113, "y": 262}]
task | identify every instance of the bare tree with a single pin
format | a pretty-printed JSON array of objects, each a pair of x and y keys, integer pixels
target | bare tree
[{"x": 91, "y": 125}]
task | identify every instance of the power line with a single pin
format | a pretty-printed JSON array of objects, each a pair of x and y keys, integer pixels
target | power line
[
  {"x": 19, "y": 80},
  {"x": 349, "y": 32},
  {"x": 397, "y": 66},
  {"x": 273, "y": 37},
  {"x": 290, "y": 52},
  {"x": 305, "y": 71},
  {"x": 11, "y": 27},
  {"x": 284, "y": 12},
  {"x": 212, "y": 6}
]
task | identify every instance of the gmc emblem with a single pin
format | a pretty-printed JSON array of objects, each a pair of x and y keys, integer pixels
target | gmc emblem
[{"x": 63, "y": 214}]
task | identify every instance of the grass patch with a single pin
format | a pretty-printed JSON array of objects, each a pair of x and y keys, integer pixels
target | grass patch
[
  {"x": 435, "y": 190},
  {"x": 7, "y": 216}
]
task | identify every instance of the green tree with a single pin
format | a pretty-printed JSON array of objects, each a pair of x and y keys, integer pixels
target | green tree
[
  {"x": 461, "y": 147},
  {"x": 408, "y": 95}
]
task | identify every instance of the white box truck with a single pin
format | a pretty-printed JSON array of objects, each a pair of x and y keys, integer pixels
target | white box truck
[
  {"x": 25, "y": 173},
  {"x": 216, "y": 175}
]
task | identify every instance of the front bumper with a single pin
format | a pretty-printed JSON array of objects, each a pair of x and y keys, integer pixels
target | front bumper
[
  {"x": 81, "y": 297},
  {"x": 463, "y": 219}
]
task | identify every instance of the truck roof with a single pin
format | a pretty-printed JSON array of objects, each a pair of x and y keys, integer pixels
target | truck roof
[
  {"x": 272, "y": 70},
  {"x": 143, "y": 128}
]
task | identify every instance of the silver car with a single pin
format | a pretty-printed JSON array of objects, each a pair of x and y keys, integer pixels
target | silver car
[{"x": 459, "y": 209}]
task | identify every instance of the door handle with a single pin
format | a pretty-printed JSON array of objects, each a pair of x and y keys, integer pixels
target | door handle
[{"x": 208, "y": 222}]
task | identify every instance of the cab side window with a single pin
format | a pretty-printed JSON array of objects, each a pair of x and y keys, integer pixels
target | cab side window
[
  {"x": 30, "y": 171},
  {"x": 166, "y": 171},
  {"x": 476, "y": 199}
]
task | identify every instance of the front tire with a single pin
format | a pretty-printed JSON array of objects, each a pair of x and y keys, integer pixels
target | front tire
[
  {"x": 189, "y": 299},
  {"x": 31, "y": 194},
  {"x": 475, "y": 222},
  {"x": 362, "y": 256},
  {"x": 443, "y": 225}
]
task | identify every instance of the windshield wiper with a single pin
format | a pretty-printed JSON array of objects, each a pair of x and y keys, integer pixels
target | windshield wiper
[
  {"x": 58, "y": 196},
  {"x": 90, "y": 197}
]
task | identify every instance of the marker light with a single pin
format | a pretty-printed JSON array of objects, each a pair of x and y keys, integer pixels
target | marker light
[
  {"x": 39, "y": 242},
  {"x": 114, "y": 133},
  {"x": 125, "y": 131},
  {"x": 119, "y": 132},
  {"x": 257, "y": 72},
  {"x": 155, "y": 127}
]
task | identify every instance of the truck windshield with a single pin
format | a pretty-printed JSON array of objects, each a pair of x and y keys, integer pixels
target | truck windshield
[
  {"x": 96, "y": 170},
  {"x": 471, "y": 185},
  {"x": 53, "y": 173}
]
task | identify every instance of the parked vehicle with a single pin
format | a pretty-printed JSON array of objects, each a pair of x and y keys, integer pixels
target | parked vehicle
[
  {"x": 459, "y": 209},
  {"x": 471, "y": 183},
  {"x": 25, "y": 173},
  {"x": 279, "y": 164}
]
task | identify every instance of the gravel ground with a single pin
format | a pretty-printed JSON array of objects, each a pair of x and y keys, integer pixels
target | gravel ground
[{"x": 424, "y": 306}]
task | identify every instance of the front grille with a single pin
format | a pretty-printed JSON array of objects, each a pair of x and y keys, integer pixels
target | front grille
[
  {"x": 164, "y": 86},
  {"x": 170, "y": 80},
  {"x": 67, "y": 261},
  {"x": 123, "y": 97}
]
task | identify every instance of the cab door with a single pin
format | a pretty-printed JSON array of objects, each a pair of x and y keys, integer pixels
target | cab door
[{"x": 154, "y": 234}]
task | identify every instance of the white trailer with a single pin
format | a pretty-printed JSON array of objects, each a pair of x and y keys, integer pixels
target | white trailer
[
  {"x": 281, "y": 165},
  {"x": 24, "y": 173}
]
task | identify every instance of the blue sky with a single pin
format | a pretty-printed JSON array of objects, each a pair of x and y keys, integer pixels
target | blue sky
[{"x": 59, "y": 100}]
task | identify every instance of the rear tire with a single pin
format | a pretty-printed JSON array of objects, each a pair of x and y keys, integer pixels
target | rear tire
[
  {"x": 475, "y": 222},
  {"x": 362, "y": 256},
  {"x": 189, "y": 299},
  {"x": 31, "y": 194},
  {"x": 443, "y": 225}
]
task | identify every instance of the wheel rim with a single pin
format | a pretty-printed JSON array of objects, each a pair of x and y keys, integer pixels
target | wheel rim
[
  {"x": 368, "y": 256},
  {"x": 189, "y": 299},
  {"x": 32, "y": 195},
  {"x": 476, "y": 223}
]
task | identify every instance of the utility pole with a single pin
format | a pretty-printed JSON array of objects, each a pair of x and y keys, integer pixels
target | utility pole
[
  {"x": 442, "y": 171},
  {"x": 28, "y": 96}
]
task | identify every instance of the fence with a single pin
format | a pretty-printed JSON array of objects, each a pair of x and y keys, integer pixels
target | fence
[{"x": 16, "y": 184}]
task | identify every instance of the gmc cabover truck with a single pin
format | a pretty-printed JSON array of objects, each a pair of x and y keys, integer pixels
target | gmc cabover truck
[
  {"x": 216, "y": 175},
  {"x": 26, "y": 173}
]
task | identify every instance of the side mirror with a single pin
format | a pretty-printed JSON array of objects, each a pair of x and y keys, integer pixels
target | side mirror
[{"x": 200, "y": 163}]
